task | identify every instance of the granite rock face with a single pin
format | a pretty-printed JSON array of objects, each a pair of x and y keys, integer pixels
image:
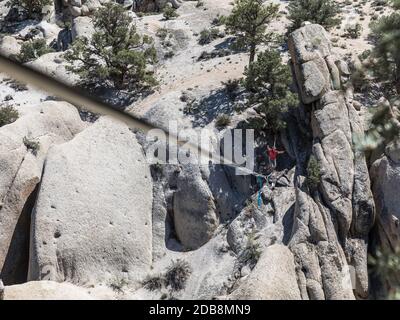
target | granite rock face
[
  {"x": 331, "y": 226},
  {"x": 273, "y": 278},
  {"x": 21, "y": 166},
  {"x": 92, "y": 219},
  {"x": 195, "y": 216},
  {"x": 385, "y": 174}
]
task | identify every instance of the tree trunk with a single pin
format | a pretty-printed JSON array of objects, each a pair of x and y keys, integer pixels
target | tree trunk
[
  {"x": 252, "y": 54},
  {"x": 31, "y": 9},
  {"x": 119, "y": 80},
  {"x": 250, "y": 67}
]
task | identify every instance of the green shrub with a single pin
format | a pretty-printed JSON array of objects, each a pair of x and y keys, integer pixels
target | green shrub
[
  {"x": 384, "y": 129},
  {"x": 218, "y": 20},
  {"x": 208, "y": 35},
  {"x": 116, "y": 55},
  {"x": 170, "y": 13},
  {"x": 223, "y": 120},
  {"x": 154, "y": 283},
  {"x": 359, "y": 80},
  {"x": 384, "y": 61},
  {"x": 178, "y": 274},
  {"x": 33, "y": 8},
  {"x": 385, "y": 264},
  {"x": 365, "y": 55},
  {"x": 17, "y": 86},
  {"x": 252, "y": 252},
  {"x": 354, "y": 31},
  {"x": 313, "y": 173},
  {"x": 33, "y": 49},
  {"x": 385, "y": 33},
  {"x": 232, "y": 87},
  {"x": 32, "y": 145},
  {"x": 248, "y": 23},
  {"x": 323, "y": 12},
  {"x": 162, "y": 33},
  {"x": 269, "y": 80},
  {"x": 164, "y": 296},
  {"x": 117, "y": 284},
  {"x": 8, "y": 115},
  {"x": 169, "y": 54}
]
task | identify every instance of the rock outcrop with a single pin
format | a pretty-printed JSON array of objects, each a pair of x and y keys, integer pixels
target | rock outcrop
[
  {"x": 385, "y": 175},
  {"x": 273, "y": 278},
  {"x": 52, "y": 63},
  {"x": 92, "y": 219},
  {"x": 9, "y": 46},
  {"x": 195, "y": 216},
  {"x": 82, "y": 27},
  {"x": 46, "y": 290},
  {"x": 21, "y": 170},
  {"x": 78, "y": 8},
  {"x": 154, "y": 5},
  {"x": 331, "y": 225}
]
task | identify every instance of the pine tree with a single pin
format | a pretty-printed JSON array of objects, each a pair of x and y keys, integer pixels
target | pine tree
[
  {"x": 323, "y": 12},
  {"x": 116, "y": 56},
  {"x": 33, "y": 8},
  {"x": 269, "y": 80},
  {"x": 385, "y": 123},
  {"x": 248, "y": 22},
  {"x": 387, "y": 46}
]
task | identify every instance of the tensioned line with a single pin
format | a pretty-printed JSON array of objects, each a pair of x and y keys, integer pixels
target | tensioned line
[{"x": 81, "y": 99}]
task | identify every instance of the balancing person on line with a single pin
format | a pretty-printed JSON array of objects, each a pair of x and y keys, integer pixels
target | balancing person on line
[{"x": 273, "y": 154}]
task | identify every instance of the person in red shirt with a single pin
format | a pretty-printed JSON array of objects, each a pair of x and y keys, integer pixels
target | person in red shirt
[{"x": 273, "y": 155}]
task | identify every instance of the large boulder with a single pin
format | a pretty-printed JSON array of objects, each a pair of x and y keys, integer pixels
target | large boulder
[
  {"x": 228, "y": 199},
  {"x": 9, "y": 46},
  {"x": 195, "y": 216},
  {"x": 49, "y": 13},
  {"x": 92, "y": 5},
  {"x": 273, "y": 278},
  {"x": 92, "y": 219},
  {"x": 82, "y": 27},
  {"x": 53, "y": 64},
  {"x": 49, "y": 30},
  {"x": 21, "y": 170}
]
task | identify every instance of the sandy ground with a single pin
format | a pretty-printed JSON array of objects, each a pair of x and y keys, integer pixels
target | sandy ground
[
  {"x": 183, "y": 71},
  {"x": 21, "y": 100}
]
